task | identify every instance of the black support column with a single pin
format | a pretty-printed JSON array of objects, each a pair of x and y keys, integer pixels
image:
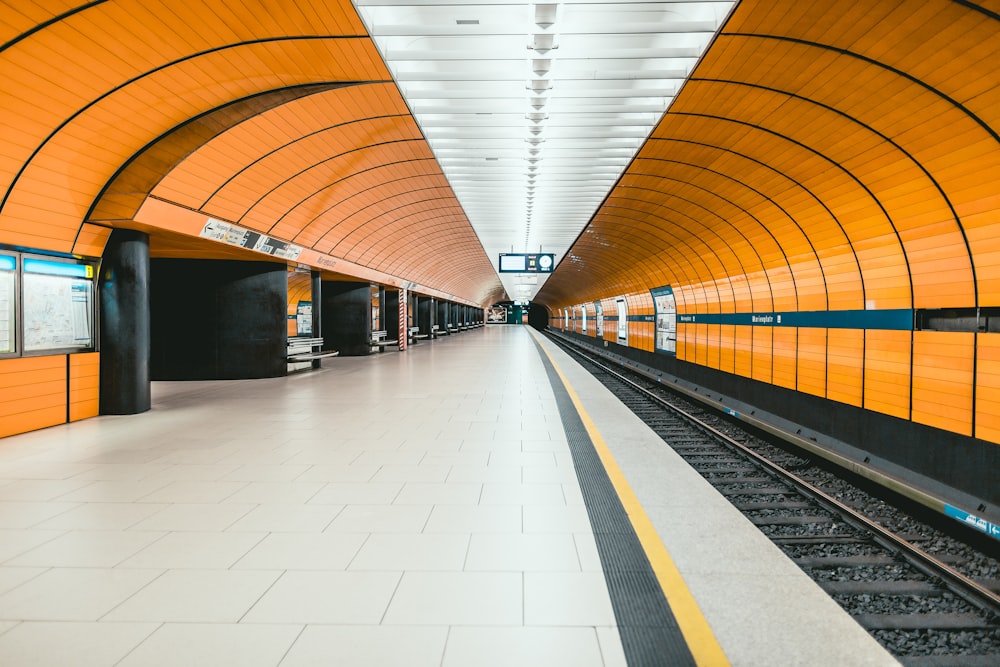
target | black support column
[
  {"x": 426, "y": 314},
  {"x": 317, "y": 310},
  {"x": 218, "y": 320},
  {"x": 347, "y": 317},
  {"x": 125, "y": 324}
]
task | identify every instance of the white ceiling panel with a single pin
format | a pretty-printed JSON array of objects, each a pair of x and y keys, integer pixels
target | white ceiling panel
[{"x": 533, "y": 110}]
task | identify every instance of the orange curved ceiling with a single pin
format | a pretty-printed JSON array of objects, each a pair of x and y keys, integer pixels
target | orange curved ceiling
[
  {"x": 280, "y": 118},
  {"x": 822, "y": 156}
]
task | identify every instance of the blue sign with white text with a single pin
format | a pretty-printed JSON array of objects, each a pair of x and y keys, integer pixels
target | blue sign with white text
[{"x": 973, "y": 521}]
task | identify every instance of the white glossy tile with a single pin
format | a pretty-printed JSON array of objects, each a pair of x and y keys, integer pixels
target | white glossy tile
[
  {"x": 524, "y": 647},
  {"x": 194, "y": 456},
  {"x": 195, "y": 596},
  {"x": 11, "y": 577},
  {"x": 194, "y": 550},
  {"x": 498, "y": 552},
  {"x": 411, "y": 473},
  {"x": 194, "y": 492},
  {"x": 120, "y": 471},
  {"x": 357, "y": 493},
  {"x": 72, "y": 594},
  {"x": 44, "y": 470},
  {"x": 277, "y": 518},
  {"x": 611, "y": 647},
  {"x": 324, "y": 456},
  {"x": 433, "y": 446},
  {"x": 522, "y": 494},
  {"x": 457, "y": 493},
  {"x": 523, "y": 459},
  {"x": 556, "y": 519},
  {"x": 16, "y": 542},
  {"x": 573, "y": 495},
  {"x": 276, "y": 492},
  {"x": 381, "y": 519},
  {"x": 114, "y": 491},
  {"x": 303, "y": 551},
  {"x": 190, "y": 473},
  {"x": 40, "y": 490},
  {"x": 395, "y": 457},
  {"x": 182, "y": 517},
  {"x": 554, "y": 445},
  {"x": 86, "y": 548},
  {"x": 344, "y": 472},
  {"x": 457, "y": 598},
  {"x": 213, "y": 645},
  {"x": 461, "y": 458},
  {"x": 25, "y": 514},
  {"x": 102, "y": 516},
  {"x": 474, "y": 519},
  {"x": 509, "y": 474},
  {"x": 324, "y": 645},
  {"x": 567, "y": 598},
  {"x": 586, "y": 551},
  {"x": 420, "y": 551},
  {"x": 353, "y": 598},
  {"x": 258, "y": 472},
  {"x": 78, "y": 644},
  {"x": 550, "y": 475}
]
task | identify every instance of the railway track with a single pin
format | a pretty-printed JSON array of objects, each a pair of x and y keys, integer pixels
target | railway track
[{"x": 929, "y": 598}]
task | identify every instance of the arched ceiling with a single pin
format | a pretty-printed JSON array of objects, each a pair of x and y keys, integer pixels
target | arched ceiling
[
  {"x": 835, "y": 155},
  {"x": 279, "y": 118}
]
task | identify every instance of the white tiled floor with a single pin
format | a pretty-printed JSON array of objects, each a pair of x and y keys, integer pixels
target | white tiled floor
[{"x": 400, "y": 509}]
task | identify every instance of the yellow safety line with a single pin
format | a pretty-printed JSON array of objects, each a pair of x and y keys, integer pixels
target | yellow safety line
[{"x": 699, "y": 636}]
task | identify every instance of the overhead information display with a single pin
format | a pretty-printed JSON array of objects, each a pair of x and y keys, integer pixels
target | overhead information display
[{"x": 527, "y": 263}]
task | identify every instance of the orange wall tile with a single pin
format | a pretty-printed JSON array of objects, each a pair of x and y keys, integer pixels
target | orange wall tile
[{"x": 32, "y": 393}]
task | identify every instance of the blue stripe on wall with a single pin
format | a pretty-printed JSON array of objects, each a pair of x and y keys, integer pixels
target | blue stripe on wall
[{"x": 899, "y": 319}]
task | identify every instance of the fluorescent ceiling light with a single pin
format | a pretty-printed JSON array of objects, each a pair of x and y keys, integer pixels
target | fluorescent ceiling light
[{"x": 534, "y": 110}]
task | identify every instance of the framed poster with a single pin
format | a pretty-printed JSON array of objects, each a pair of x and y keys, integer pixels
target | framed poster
[
  {"x": 666, "y": 319},
  {"x": 622, "y": 320},
  {"x": 58, "y": 305},
  {"x": 599, "y": 319}
]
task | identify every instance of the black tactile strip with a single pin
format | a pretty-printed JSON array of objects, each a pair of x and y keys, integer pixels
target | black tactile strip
[{"x": 648, "y": 628}]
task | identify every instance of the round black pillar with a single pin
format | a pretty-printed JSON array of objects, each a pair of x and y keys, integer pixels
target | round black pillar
[{"x": 124, "y": 293}]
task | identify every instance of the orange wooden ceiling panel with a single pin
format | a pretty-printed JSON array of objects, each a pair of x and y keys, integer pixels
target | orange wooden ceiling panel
[
  {"x": 282, "y": 177},
  {"x": 94, "y": 54},
  {"x": 110, "y": 137},
  {"x": 355, "y": 245},
  {"x": 286, "y": 139},
  {"x": 306, "y": 218},
  {"x": 935, "y": 140}
]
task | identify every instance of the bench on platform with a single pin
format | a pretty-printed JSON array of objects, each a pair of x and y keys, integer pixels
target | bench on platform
[
  {"x": 379, "y": 340},
  {"x": 303, "y": 349},
  {"x": 413, "y": 333}
]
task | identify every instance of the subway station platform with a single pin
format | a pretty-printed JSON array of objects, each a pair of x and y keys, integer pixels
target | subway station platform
[{"x": 417, "y": 508}]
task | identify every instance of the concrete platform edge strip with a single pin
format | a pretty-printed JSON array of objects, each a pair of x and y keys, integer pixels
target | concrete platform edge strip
[{"x": 659, "y": 620}]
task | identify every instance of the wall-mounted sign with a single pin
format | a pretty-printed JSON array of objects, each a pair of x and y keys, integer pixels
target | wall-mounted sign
[{"x": 225, "y": 232}]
